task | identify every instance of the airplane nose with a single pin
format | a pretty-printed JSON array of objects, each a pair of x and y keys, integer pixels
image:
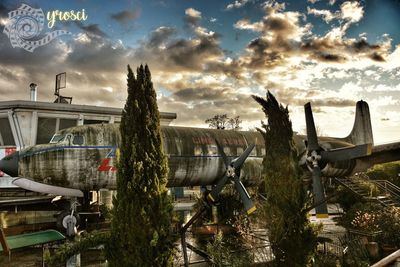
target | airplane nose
[{"x": 9, "y": 164}]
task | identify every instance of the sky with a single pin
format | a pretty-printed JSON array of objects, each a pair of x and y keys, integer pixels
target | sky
[{"x": 209, "y": 57}]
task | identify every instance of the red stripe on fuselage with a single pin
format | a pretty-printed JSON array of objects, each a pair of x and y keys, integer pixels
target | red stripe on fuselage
[{"x": 105, "y": 167}]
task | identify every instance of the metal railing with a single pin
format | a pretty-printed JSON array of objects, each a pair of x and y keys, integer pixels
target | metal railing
[
  {"x": 388, "y": 187},
  {"x": 352, "y": 186},
  {"x": 391, "y": 190}
]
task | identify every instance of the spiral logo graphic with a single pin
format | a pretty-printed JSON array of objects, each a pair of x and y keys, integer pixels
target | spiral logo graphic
[{"x": 24, "y": 26}]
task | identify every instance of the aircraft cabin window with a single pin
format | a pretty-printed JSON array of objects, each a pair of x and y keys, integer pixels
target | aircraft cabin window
[
  {"x": 253, "y": 153},
  {"x": 239, "y": 151},
  {"x": 198, "y": 151},
  {"x": 262, "y": 151},
  {"x": 212, "y": 150},
  {"x": 78, "y": 140},
  {"x": 57, "y": 138}
]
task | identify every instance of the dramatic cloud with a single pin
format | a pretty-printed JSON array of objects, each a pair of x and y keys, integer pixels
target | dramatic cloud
[
  {"x": 352, "y": 11},
  {"x": 160, "y": 36},
  {"x": 327, "y": 15},
  {"x": 91, "y": 29},
  {"x": 192, "y": 17},
  {"x": 126, "y": 16},
  {"x": 285, "y": 34},
  {"x": 237, "y": 4},
  {"x": 245, "y": 24},
  {"x": 176, "y": 54},
  {"x": 198, "y": 94},
  {"x": 197, "y": 77}
]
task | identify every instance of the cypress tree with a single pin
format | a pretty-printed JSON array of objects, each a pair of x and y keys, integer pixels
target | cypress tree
[
  {"x": 292, "y": 238},
  {"x": 141, "y": 233}
]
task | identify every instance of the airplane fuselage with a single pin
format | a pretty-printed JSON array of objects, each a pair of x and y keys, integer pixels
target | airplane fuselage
[{"x": 84, "y": 157}]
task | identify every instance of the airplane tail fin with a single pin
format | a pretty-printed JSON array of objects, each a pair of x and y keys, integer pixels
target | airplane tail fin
[{"x": 362, "y": 129}]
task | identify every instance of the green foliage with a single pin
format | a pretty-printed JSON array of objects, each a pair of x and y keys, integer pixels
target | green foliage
[
  {"x": 373, "y": 219},
  {"x": 347, "y": 219},
  {"x": 357, "y": 255},
  {"x": 326, "y": 260},
  {"x": 228, "y": 251},
  {"x": 141, "y": 232},
  {"x": 230, "y": 210},
  {"x": 389, "y": 224},
  {"x": 292, "y": 238},
  {"x": 68, "y": 249},
  {"x": 346, "y": 199},
  {"x": 371, "y": 189},
  {"x": 387, "y": 171}
]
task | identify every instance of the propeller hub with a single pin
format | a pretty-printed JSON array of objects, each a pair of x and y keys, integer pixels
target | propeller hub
[
  {"x": 313, "y": 158},
  {"x": 230, "y": 171}
]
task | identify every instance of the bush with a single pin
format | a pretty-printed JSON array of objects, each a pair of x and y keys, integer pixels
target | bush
[
  {"x": 347, "y": 199},
  {"x": 67, "y": 250},
  {"x": 389, "y": 223},
  {"x": 347, "y": 219},
  {"x": 228, "y": 251},
  {"x": 377, "y": 219},
  {"x": 387, "y": 171},
  {"x": 326, "y": 260}
]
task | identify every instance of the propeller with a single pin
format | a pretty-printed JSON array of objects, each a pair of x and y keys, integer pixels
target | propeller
[
  {"x": 315, "y": 155},
  {"x": 233, "y": 173}
]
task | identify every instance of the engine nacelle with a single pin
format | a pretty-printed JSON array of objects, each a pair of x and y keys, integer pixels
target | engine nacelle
[
  {"x": 332, "y": 169},
  {"x": 338, "y": 168}
]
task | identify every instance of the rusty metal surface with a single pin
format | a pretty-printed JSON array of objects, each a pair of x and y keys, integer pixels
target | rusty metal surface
[{"x": 192, "y": 153}]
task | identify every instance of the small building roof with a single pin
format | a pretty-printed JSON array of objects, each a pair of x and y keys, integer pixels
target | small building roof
[
  {"x": 36, "y": 105},
  {"x": 31, "y": 239}
]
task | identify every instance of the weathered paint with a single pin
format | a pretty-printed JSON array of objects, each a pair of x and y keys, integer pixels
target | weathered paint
[{"x": 193, "y": 156}]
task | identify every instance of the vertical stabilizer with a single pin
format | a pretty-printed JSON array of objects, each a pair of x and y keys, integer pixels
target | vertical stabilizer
[{"x": 362, "y": 129}]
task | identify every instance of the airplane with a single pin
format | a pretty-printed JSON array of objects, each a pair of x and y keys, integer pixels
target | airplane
[{"x": 83, "y": 158}]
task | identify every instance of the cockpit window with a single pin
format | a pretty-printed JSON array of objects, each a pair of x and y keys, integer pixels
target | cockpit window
[
  {"x": 57, "y": 138},
  {"x": 78, "y": 140}
]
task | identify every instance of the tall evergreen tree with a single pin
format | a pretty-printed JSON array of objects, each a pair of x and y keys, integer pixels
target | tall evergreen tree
[
  {"x": 142, "y": 214},
  {"x": 285, "y": 210}
]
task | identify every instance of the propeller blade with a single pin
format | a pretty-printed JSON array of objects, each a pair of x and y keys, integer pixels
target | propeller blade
[
  {"x": 224, "y": 157},
  {"x": 321, "y": 211},
  {"x": 312, "y": 139},
  {"x": 244, "y": 195},
  {"x": 213, "y": 195},
  {"x": 346, "y": 153},
  {"x": 240, "y": 160}
]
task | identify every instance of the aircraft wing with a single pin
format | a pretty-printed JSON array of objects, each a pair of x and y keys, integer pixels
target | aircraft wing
[
  {"x": 31, "y": 185},
  {"x": 380, "y": 154},
  {"x": 25, "y": 200}
]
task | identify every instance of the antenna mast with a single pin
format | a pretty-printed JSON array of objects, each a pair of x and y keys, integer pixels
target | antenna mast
[{"x": 61, "y": 82}]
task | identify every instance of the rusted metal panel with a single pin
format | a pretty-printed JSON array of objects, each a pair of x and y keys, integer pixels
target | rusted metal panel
[{"x": 192, "y": 153}]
